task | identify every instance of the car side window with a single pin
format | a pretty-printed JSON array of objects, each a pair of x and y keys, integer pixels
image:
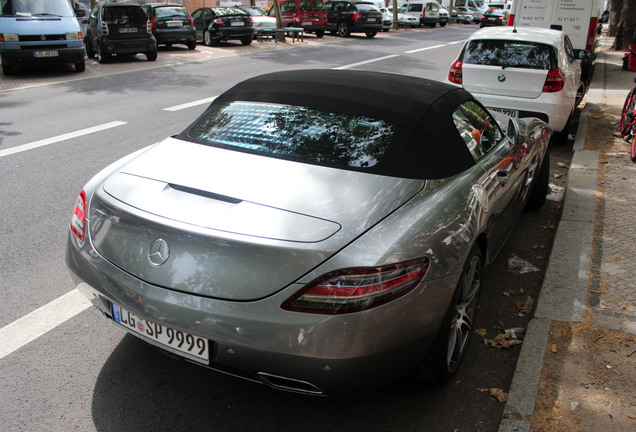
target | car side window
[
  {"x": 196, "y": 14},
  {"x": 569, "y": 50},
  {"x": 319, "y": 5},
  {"x": 477, "y": 128},
  {"x": 415, "y": 8}
]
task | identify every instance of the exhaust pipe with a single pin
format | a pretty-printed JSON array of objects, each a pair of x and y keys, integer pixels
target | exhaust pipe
[{"x": 290, "y": 384}]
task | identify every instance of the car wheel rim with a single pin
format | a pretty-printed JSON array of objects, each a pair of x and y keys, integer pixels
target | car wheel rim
[
  {"x": 464, "y": 313},
  {"x": 342, "y": 29},
  {"x": 208, "y": 38}
]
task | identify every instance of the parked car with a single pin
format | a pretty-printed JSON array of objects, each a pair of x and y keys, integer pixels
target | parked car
[
  {"x": 260, "y": 18},
  {"x": 216, "y": 24},
  {"x": 444, "y": 16},
  {"x": 527, "y": 72},
  {"x": 387, "y": 19},
  {"x": 493, "y": 18},
  {"x": 28, "y": 35},
  {"x": 404, "y": 20},
  {"x": 310, "y": 15},
  {"x": 119, "y": 29},
  {"x": 171, "y": 24},
  {"x": 345, "y": 17},
  {"x": 310, "y": 230},
  {"x": 426, "y": 11},
  {"x": 459, "y": 16}
]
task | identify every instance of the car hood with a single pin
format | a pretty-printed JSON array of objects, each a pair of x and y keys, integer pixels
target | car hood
[{"x": 232, "y": 225}]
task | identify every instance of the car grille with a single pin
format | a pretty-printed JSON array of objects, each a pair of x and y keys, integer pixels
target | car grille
[{"x": 41, "y": 38}]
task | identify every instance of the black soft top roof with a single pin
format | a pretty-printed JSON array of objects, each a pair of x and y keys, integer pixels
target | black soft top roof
[{"x": 426, "y": 144}]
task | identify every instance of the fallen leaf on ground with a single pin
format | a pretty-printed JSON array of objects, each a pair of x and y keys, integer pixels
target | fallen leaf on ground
[
  {"x": 554, "y": 348},
  {"x": 499, "y": 394}
]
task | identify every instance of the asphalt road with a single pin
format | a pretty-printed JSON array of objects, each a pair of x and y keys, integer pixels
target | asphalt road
[{"x": 75, "y": 371}]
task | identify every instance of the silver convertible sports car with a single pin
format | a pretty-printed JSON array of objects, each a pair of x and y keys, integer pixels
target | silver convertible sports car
[{"x": 310, "y": 230}]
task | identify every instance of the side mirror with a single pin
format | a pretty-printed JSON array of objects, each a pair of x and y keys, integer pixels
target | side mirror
[
  {"x": 513, "y": 133},
  {"x": 583, "y": 54}
]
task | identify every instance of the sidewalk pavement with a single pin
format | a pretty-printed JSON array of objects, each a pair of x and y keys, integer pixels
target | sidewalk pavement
[{"x": 577, "y": 366}]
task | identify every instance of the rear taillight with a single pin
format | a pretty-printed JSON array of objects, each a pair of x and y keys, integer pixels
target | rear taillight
[
  {"x": 78, "y": 220},
  {"x": 591, "y": 34},
  {"x": 483, "y": 17},
  {"x": 148, "y": 27},
  {"x": 104, "y": 28},
  {"x": 455, "y": 73},
  {"x": 153, "y": 23},
  {"x": 357, "y": 16},
  {"x": 250, "y": 22},
  {"x": 511, "y": 19},
  {"x": 191, "y": 22},
  {"x": 357, "y": 289},
  {"x": 554, "y": 82},
  {"x": 219, "y": 21}
]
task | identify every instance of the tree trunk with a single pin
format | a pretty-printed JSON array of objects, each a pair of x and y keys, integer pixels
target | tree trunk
[
  {"x": 626, "y": 29},
  {"x": 615, "y": 8}
]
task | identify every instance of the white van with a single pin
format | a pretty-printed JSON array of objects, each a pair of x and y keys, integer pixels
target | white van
[
  {"x": 426, "y": 11},
  {"x": 579, "y": 20},
  {"x": 36, "y": 32}
]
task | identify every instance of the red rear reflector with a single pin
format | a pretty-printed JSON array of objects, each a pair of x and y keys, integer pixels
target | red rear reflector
[
  {"x": 104, "y": 28},
  {"x": 78, "y": 220},
  {"x": 153, "y": 23},
  {"x": 455, "y": 73},
  {"x": 554, "y": 82}
]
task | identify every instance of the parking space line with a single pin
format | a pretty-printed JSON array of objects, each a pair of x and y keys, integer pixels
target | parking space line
[
  {"x": 56, "y": 139},
  {"x": 424, "y": 49},
  {"x": 366, "y": 62},
  {"x": 30, "y": 327},
  {"x": 190, "y": 104}
]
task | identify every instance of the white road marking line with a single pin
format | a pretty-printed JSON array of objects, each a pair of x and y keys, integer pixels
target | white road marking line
[
  {"x": 30, "y": 327},
  {"x": 190, "y": 104},
  {"x": 423, "y": 49},
  {"x": 56, "y": 139},
  {"x": 366, "y": 62}
]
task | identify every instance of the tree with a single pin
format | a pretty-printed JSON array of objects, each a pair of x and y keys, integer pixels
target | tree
[{"x": 626, "y": 27}]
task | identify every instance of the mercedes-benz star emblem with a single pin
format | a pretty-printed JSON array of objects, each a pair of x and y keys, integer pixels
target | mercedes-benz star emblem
[
  {"x": 501, "y": 77},
  {"x": 43, "y": 38},
  {"x": 159, "y": 252}
]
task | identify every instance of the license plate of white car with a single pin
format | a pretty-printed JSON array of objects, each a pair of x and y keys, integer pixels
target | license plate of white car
[
  {"x": 128, "y": 30},
  {"x": 509, "y": 113},
  {"x": 45, "y": 54},
  {"x": 177, "y": 341},
  {"x": 237, "y": 23},
  {"x": 174, "y": 23}
]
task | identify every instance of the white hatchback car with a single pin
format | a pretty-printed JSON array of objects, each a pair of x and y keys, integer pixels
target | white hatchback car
[{"x": 527, "y": 72}]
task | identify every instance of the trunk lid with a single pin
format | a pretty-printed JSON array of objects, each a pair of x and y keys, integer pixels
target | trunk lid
[
  {"x": 233, "y": 225},
  {"x": 509, "y": 81}
]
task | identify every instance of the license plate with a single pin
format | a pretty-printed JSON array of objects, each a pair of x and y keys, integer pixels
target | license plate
[
  {"x": 45, "y": 54},
  {"x": 128, "y": 30},
  {"x": 237, "y": 23},
  {"x": 174, "y": 23},
  {"x": 509, "y": 113},
  {"x": 307, "y": 23},
  {"x": 372, "y": 20},
  {"x": 185, "y": 344}
]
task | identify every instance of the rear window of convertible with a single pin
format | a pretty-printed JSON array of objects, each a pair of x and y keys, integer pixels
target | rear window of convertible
[
  {"x": 296, "y": 133},
  {"x": 521, "y": 54}
]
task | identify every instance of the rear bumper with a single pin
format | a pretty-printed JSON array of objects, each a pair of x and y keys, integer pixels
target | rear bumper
[
  {"x": 238, "y": 33},
  {"x": 179, "y": 35},
  {"x": 128, "y": 46},
  {"x": 26, "y": 57}
]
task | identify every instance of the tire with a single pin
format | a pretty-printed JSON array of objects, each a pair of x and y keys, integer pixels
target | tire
[
  {"x": 539, "y": 187},
  {"x": 445, "y": 355},
  {"x": 343, "y": 29},
  {"x": 208, "y": 40},
  {"x": 191, "y": 45},
  {"x": 151, "y": 55},
  {"x": 90, "y": 52},
  {"x": 580, "y": 93},
  {"x": 246, "y": 41},
  {"x": 432, "y": 25},
  {"x": 627, "y": 115},
  {"x": 7, "y": 70},
  {"x": 101, "y": 56},
  {"x": 385, "y": 30},
  {"x": 371, "y": 34},
  {"x": 442, "y": 24},
  {"x": 320, "y": 33},
  {"x": 561, "y": 138},
  {"x": 80, "y": 67}
]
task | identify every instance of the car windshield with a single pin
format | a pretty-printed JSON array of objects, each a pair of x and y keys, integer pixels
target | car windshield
[
  {"x": 170, "y": 11},
  {"x": 505, "y": 53},
  {"x": 35, "y": 8},
  {"x": 124, "y": 15},
  {"x": 296, "y": 133}
]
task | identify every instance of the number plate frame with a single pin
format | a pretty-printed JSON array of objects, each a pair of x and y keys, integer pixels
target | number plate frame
[
  {"x": 507, "y": 112},
  {"x": 43, "y": 54},
  {"x": 184, "y": 344}
]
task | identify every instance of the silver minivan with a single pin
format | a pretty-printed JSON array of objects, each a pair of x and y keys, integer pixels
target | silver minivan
[
  {"x": 34, "y": 32},
  {"x": 426, "y": 11}
]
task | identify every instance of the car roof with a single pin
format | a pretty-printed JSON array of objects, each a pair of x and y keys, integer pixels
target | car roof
[
  {"x": 426, "y": 143},
  {"x": 546, "y": 36}
]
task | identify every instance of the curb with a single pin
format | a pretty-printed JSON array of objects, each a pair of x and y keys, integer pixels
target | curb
[{"x": 563, "y": 295}]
